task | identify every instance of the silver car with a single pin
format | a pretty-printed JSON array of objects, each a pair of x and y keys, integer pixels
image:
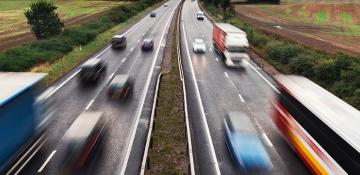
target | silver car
[{"x": 199, "y": 46}]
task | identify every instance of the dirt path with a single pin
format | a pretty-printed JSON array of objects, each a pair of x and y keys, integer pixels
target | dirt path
[
  {"x": 308, "y": 35},
  {"x": 9, "y": 42}
]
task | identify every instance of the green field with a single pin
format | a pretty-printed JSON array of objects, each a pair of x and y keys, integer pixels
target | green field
[{"x": 13, "y": 21}]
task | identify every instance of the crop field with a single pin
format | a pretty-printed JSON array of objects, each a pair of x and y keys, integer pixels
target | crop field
[
  {"x": 334, "y": 21},
  {"x": 13, "y": 22}
]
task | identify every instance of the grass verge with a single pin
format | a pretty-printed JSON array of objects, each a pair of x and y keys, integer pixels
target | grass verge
[
  {"x": 168, "y": 154},
  {"x": 73, "y": 58},
  {"x": 338, "y": 73}
]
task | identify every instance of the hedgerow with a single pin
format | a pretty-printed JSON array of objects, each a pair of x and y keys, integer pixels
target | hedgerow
[{"x": 26, "y": 56}]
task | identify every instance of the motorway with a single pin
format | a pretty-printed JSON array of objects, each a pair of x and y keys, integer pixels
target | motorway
[
  {"x": 128, "y": 123},
  {"x": 213, "y": 89}
]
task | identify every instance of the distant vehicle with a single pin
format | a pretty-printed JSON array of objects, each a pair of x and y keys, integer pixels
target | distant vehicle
[
  {"x": 153, "y": 14},
  {"x": 81, "y": 143},
  {"x": 244, "y": 144},
  {"x": 200, "y": 15},
  {"x": 165, "y": 5},
  {"x": 199, "y": 46},
  {"x": 148, "y": 44},
  {"x": 231, "y": 43},
  {"x": 22, "y": 123},
  {"x": 121, "y": 87},
  {"x": 118, "y": 42},
  {"x": 92, "y": 70},
  {"x": 322, "y": 129}
]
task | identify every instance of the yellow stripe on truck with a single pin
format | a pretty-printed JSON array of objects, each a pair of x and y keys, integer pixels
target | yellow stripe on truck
[{"x": 305, "y": 154}]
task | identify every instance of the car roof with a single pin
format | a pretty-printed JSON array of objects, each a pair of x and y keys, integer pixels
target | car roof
[
  {"x": 83, "y": 126},
  {"x": 118, "y": 36},
  {"x": 240, "y": 122},
  {"x": 120, "y": 79},
  {"x": 91, "y": 62},
  {"x": 14, "y": 83},
  {"x": 198, "y": 40},
  {"x": 147, "y": 40}
]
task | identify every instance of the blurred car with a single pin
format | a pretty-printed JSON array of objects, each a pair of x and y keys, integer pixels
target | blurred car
[
  {"x": 165, "y": 5},
  {"x": 153, "y": 14},
  {"x": 81, "y": 143},
  {"x": 121, "y": 87},
  {"x": 200, "y": 15},
  {"x": 148, "y": 44},
  {"x": 92, "y": 70},
  {"x": 244, "y": 145},
  {"x": 199, "y": 46},
  {"x": 118, "y": 42}
]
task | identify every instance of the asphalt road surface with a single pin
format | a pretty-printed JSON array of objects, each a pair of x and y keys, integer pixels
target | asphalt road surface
[
  {"x": 128, "y": 123},
  {"x": 213, "y": 89}
]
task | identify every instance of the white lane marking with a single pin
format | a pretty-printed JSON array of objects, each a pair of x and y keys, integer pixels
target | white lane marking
[
  {"x": 72, "y": 76},
  {"x": 142, "y": 100},
  {"x": 231, "y": 81},
  {"x": 217, "y": 59},
  {"x": 241, "y": 98},
  {"x": 266, "y": 138},
  {"x": 216, "y": 164},
  {"x": 132, "y": 49},
  {"x": 112, "y": 75},
  {"x": 26, "y": 153},
  {"x": 90, "y": 103},
  {"x": 46, "y": 161},
  {"x": 124, "y": 59},
  {"x": 31, "y": 156},
  {"x": 210, "y": 49},
  {"x": 227, "y": 75},
  {"x": 271, "y": 85}
]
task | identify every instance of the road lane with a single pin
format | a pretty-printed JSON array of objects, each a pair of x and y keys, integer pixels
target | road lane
[
  {"x": 222, "y": 90},
  {"x": 74, "y": 98}
]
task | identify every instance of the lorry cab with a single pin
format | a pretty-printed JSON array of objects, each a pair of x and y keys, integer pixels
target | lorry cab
[
  {"x": 231, "y": 43},
  {"x": 118, "y": 42}
]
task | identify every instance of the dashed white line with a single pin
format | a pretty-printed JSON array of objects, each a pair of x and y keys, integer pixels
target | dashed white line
[
  {"x": 131, "y": 49},
  {"x": 111, "y": 76},
  {"x": 46, "y": 161},
  {"x": 227, "y": 75},
  {"x": 217, "y": 59},
  {"x": 124, "y": 59},
  {"x": 90, "y": 103},
  {"x": 241, "y": 98},
  {"x": 266, "y": 138}
]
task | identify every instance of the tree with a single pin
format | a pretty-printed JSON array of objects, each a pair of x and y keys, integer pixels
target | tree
[
  {"x": 43, "y": 19},
  {"x": 225, "y": 5}
]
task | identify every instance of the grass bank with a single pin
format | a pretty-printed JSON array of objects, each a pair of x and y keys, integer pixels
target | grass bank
[
  {"x": 168, "y": 154},
  {"x": 338, "y": 73},
  {"x": 68, "y": 61}
]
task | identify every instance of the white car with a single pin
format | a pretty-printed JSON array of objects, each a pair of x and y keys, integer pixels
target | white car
[
  {"x": 199, "y": 46},
  {"x": 200, "y": 15}
]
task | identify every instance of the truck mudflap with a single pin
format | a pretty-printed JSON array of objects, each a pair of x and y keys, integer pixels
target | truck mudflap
[{"x": 25, "y": 154}]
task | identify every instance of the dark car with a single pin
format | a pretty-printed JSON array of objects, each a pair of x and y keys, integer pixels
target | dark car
[
  {"x": 118, "y": 42},
  {"x": 244, "y": 145},
  {"x": 81, "y": 144},
  {"x": 153, "y": 14},
  {"x": 92, "y": 70},
  {"x": 121, "y": 87},
  {"x": 148, "y": 44}
]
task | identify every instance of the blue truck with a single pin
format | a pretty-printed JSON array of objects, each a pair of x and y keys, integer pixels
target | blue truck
[{"x": 22, "y": 125}]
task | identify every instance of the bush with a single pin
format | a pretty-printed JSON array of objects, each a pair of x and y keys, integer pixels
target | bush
[
  {"x": 259, "y": 40},
  {"x": 282, "y": 52},
  {"x": 54, "y": 44},
  {"x": 303, "y": 64},
  {"x": 342, "y": 89},
  {"x": 77, "y": 36},
  {"x": 352, "y": 76}
]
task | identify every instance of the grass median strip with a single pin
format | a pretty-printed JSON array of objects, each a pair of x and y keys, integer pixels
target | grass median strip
[
  {"x": 168, "y": 154},
  {"x": 73, "y": 58}
]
